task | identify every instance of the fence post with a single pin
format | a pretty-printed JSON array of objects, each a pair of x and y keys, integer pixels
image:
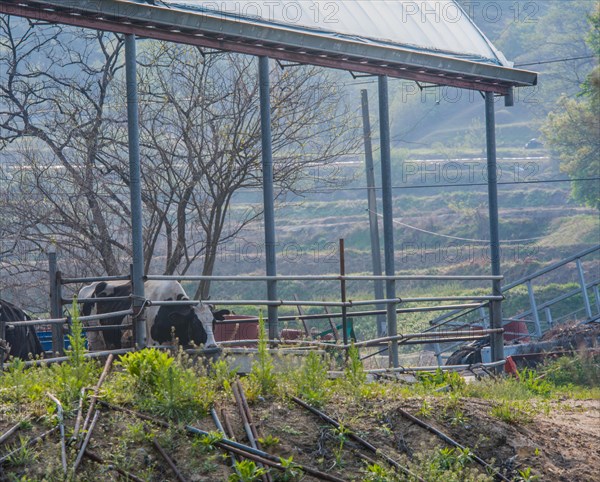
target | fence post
[
  {"x": 58, "y": 334},
  {"x": 584, "y": 293},
  {"x": 534, "y": 310},
  {"x": 548, "y": 316},
  {"x": 597, "y": 295},
  {"x": 497, "y": 339},
  {"x": 343, "y": 294}
]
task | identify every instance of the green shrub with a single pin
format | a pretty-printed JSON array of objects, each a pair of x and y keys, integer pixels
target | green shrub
[
  {"x": 441, "y": 378},
  {"x": 312, "y": 382},
  {"x": 163, "y": 385},
  {"x": 263, "y": 372},
  {"x": 246, "y": 471},
  {"x": 579, "y": 370},
  {"x": 71, "y": 376}
]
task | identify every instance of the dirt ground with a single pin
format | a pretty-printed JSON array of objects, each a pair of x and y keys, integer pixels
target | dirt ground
[{"x": 562, "y": 444}]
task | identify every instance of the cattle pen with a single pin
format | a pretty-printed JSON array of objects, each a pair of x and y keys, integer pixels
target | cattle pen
[{"x": 339, "y": 337}]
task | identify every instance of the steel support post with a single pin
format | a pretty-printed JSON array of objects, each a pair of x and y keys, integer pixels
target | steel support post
[
  {"x": 268, "y": 191},
  {"x": 496, "y": 339},
  {"x": 485, "y": 321},
  {"x": 135, "y": 190},
  {"x": 388, "y": 217},
  {"x": 372, "y": 203},
  {"x": 534, "y": 310},
  {"x": 584, "y": 293},
  {"x": 58, "y": 333},
  {"x": 597, "y": 296},
  {"x": 549, "y": 317}
]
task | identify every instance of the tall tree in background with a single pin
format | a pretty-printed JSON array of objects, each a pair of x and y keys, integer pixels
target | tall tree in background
[
  {"x": 572, "y": 130},
  {"x": 64, "y": 171}
]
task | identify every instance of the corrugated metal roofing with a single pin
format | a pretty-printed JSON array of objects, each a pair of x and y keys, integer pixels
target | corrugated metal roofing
[
  {"x": 426, "y": 41},
  {"x": 439, "y": 26}
]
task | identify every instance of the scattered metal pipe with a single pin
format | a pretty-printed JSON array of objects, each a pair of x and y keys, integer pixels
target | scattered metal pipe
[
  {"x": 124, "y": 473},
  {"x": 249, "y": 427},
  {"x": 94, "y": 399},
  {"x": 86, "y": 441},
  {"x": 450, "y": 441},
  {"x": 229, "y": 445},
  {"x": 30, "y": 442},
  {"x": 79, "y": 417},
  {"x": 168, "y": 459},
  {"x": 6, "y": 435},
  {"x": 358, "y": 439},
  {"x": 61, "y": 425},
  {"x": 221, "y": 429}
]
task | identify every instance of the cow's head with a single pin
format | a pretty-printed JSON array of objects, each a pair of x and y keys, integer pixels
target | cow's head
[{"x": 205, "y": 323}]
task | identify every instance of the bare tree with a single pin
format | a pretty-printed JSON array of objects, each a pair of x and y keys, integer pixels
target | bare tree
[
  {"x": 64, "y": 171},
  {"x": 202, "y": 143},
  {"x": 54, "y": 111}
]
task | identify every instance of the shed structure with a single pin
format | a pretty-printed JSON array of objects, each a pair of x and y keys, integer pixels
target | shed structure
[{"x": 432, "y": 41}]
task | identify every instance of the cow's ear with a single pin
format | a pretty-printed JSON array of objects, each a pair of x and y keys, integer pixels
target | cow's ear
[
  {"x": 100, "y": 287},
  {"x": 220, "y": 315}
]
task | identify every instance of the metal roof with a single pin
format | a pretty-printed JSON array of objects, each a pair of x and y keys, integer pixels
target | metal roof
[{"x": 427, "y": 41}]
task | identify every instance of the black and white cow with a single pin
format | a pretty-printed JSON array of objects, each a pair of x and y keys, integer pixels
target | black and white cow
[
  {"x": 23, "y": 341},
  {"x": 189, "y": 324}
]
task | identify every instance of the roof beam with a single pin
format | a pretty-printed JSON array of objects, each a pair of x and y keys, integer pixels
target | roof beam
[{"x": 221, "y": 33}]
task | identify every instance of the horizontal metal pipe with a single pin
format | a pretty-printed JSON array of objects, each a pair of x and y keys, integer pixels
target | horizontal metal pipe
[
  {"x": 327, "y": 278},
  {"x": 453, "y": 298},
  {"x": 95, "y": 354},
  {"x": 319, "y": 316},
  {"x": 104, "y": 316},
  {"x": 94, "y": 279},
  {"x": 99, "y": 300},
  {"x": 278, "y": 303},
  {"x": 438, "y": 337},
  {"x": 429, "y": 368},
  {"x": 108, "y": 327},
  {"x": 552, "y": 267},
  {"x": 36, "y": 322}
]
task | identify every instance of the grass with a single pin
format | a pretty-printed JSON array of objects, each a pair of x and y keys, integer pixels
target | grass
[{"x": 171, "y": 386}]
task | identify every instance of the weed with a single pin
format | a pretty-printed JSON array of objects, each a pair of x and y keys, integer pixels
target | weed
[
  {"x": 79, "y": 371},
  {"x": 23, "y": 453},
  {"x": 246, "y": 471},
  {"x": 312, "y": 382},
  {"x": 207, "y": 443},
  {"x": 526, "y": 476},
  {"x": 223, "y": 375},
  {"x": 341, "y": 434},
  {"x": 440, "y": 378},
  {"x": 454, "y": 459},
  {"x": 579, "y": 370},
  {"x": 377, "y": 473},
  {"x": 269, "y": 441},
  {"x": 292, "y": 471},
  {"x": 263, "y": 371},
  {"x": 514, "y": 412},
  {"x": 355, "y": 372},
  {"x": 458, "y": 418},
  {"x": 425, "y": 409},
  {"x": 166, "y": 387},
  {"x": 534, "y": 383},
  {"x": 290, "y": 430}
]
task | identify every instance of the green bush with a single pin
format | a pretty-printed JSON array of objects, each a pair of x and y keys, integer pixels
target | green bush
[{"x": 165, "y": 386}]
